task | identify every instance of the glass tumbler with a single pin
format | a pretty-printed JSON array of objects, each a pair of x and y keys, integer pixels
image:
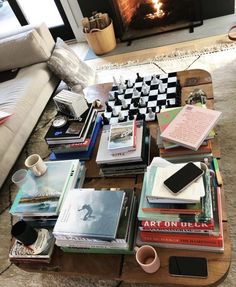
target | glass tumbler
[{"x": 25, "y": 181}]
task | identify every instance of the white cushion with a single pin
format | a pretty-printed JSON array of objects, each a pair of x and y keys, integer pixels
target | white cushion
[
  {"x": 21, "y": 50},
  {"x": 68, "y": 67}
]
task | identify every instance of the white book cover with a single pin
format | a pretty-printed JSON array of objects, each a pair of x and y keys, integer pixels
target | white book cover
[
  {"x": 90, "y": 213},
  {"x": 192, "y": 193},
  {"x": 105, "y": 156},
  {"x": 191, "y": 126}
]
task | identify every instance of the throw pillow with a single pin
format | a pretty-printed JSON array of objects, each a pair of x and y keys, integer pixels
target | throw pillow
[{"x": 68, "y": 67}]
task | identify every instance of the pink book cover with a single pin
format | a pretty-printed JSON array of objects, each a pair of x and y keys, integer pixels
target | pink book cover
[{"x": 191, "y": 126}]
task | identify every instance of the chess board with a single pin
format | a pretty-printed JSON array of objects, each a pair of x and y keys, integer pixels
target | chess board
[{"x": 140, "y": 105}]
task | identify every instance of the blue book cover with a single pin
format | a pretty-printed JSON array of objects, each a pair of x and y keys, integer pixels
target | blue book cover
[
  {"x": 90, "y": 213},
  {"x": 82, "y": 155}
]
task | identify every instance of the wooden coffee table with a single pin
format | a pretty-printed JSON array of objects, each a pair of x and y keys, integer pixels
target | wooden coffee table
[{"x": 124, "y": 267}]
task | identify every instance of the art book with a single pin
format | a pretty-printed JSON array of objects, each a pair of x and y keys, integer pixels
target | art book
[
  {"x": 191, "y": 126},
  {"x": 122, "y": 137},
  {"x": 90, "y": 213},
  {"x": 106, "y": 157},
  {"x": 51, "y": 188}
]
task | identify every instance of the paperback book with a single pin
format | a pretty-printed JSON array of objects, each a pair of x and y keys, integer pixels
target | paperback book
[
  {"x": 191, "y": 126},
  {"x": 51, "y": 188}
]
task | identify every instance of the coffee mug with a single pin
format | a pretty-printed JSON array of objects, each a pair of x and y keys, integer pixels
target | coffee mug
[
  {"x": 35, "y": 163},
  {"x": 147, "y": 258},
  {"x": 24, "y": 232}
]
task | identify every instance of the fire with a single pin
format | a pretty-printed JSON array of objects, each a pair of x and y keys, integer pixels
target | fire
[{"x": 159, "y": 13}]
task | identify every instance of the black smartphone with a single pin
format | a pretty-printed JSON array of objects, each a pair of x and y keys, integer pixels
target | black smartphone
[
  {"x": 188, "y": 266},
  {"x": 183, "y": 178}
]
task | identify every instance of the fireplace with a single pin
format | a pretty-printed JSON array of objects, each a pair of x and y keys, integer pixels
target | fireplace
[{"x": 140, "y": 18}]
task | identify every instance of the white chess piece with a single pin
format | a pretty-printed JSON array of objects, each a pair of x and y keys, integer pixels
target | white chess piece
[
  {"x": 111, "y": 96},
  {"x": 124, "y": 104},
  {"x": 122, "y": 83},
  {"x": 115, "y": 83},
  {"x": 120, "y": 89},
  {"x": 114, "y": 112},
  {"x": 121, "y": 117},
  {"x": 155, "y": 80},
  {"x": 151, "y": 114},
  {"x": 142, "y": 102},
  {"x": 145, "y": 88},
  {"x": 161, "y": 87},
  {"x": 130, "y": 84},
  {"x": 135, "y": 92}
]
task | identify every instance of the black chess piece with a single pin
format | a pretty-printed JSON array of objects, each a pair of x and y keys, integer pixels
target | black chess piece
[
  {"x": 136, "y": 102},
  {"x": 117, "y": 100},
  {"x": 105, "y": 120},
  {"x": 139, "y": 79},
  {"x": 140, "y": 116},
  {"x": 108, "y": 107},
  {"x": 131, "y": 116}
]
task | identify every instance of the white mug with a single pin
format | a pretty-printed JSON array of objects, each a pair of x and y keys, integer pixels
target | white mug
[
  {"x": 147, "y": 258},
  {"x": 35, "y": 163}
]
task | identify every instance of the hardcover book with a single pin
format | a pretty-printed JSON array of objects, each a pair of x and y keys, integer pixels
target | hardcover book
[
  {"x": 122, "y": 137},
  {"x": 90, "y": 213},
  {"x": 191, "y": 126},
  {"x": 52, "y": 186}
]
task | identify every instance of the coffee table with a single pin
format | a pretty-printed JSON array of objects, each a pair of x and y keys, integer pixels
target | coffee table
[{"x": 124, "y": 267}]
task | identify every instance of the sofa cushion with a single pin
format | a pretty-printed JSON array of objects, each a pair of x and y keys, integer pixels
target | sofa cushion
[
  {"x": 21, "y": 50},
  {"x": 68, "y": 67}
]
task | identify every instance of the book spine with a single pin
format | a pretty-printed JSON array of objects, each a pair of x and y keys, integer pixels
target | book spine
[
  {"x": 147, "y": 224},
  {"x": 188, "y": 239},
  {"x": 188, "y": 231},
  {"x": 172, "y": 210}
]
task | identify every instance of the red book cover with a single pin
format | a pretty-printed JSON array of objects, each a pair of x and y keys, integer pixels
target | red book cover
[{"x": 181, "y": 238}]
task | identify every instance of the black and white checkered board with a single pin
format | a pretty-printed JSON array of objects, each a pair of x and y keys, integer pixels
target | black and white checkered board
[{"x": 155, "y": 100}]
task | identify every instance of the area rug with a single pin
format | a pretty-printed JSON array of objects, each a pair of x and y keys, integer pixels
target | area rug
[{"x": 221, "y": 63}]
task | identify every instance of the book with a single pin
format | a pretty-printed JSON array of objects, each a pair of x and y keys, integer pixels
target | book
[
  {"x": 90, "y": 213},
  {"x": 160, "y": 193},
  {"x": 122, "y": 137},
  {"x": 106, "y": 157},
  {"x": 4, "y": 116},
  {"x": 20, "y": 253},
  {"x": 82, "y": 155},
  {"x": 70, "y": 103},
  {"x": 124, "y": 237},
  {"x": 62, "y": 135},
  {"x": 191, "y": 126},
  {"x": 52, "y": 187}
]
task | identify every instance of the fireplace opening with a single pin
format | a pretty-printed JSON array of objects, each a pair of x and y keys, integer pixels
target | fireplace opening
[{"x": 141, "y": 18}]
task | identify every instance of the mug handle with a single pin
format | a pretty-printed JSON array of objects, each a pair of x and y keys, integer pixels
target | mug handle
[
  {"x": 36, "y": 171},
  {"x": 136, "y": 248}
]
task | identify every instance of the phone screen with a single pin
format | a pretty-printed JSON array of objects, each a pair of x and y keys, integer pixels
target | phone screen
[
  {"x": 183, "y": 177},
  {"x": 188, "y": 266}
]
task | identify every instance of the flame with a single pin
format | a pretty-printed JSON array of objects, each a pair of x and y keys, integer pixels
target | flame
[{"x": 159, "y": 12}]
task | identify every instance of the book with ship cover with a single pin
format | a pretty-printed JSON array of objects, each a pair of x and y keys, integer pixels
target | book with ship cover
[
  {"x": 51, "y": 188},
  {"x": 90, "y": 213}
]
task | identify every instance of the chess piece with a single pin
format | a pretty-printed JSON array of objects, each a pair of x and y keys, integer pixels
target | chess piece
[
  {"x": 130, "y": 84},
  {"x": 124, "y": 104},
  {"x": 111, "y": 96},
  {"x": 140, "y": 116},
  {"x": 117, "y": 100},
  {"x": 131, "y": 116},
  {"x": 155, "y": 80},
  {"x": 135, "y": 92},
  {"x": 105, "y": 120},
  {"x": 161, "y": 87},
  {"x": 145, "y": 88},
  {"x": 120, "y": 90},
  {"x": 142, "y": 103},
  {"x": 108, "y": 107},
  {"x": 138, "y": 79},
  {"x": 136, "y": 102},
  {"x": 115, "y": 83},
  {"x": 121, "y": 117},
  {"x": 122, "y": 83},
  {"x": 151, "y": 114},
  {"x": 114, "y": 112}
]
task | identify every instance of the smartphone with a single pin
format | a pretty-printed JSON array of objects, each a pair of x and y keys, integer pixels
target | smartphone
[
  {"x": 183, "y": 178},
  {"x": 188, "y": 266}
]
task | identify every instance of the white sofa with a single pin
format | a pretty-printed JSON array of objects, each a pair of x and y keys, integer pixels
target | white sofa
[{"x": 27, "y": 94}]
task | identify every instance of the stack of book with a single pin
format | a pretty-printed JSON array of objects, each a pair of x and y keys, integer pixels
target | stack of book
[
  {"x": 190, "y": 220},
  {"x": 41, "y": 209},
  {"x": 121, "y": 152},
  {"x": 186, "y": 133},
  {"x": 76, "y": 139},
  {"x": 97, "y": 221}
]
